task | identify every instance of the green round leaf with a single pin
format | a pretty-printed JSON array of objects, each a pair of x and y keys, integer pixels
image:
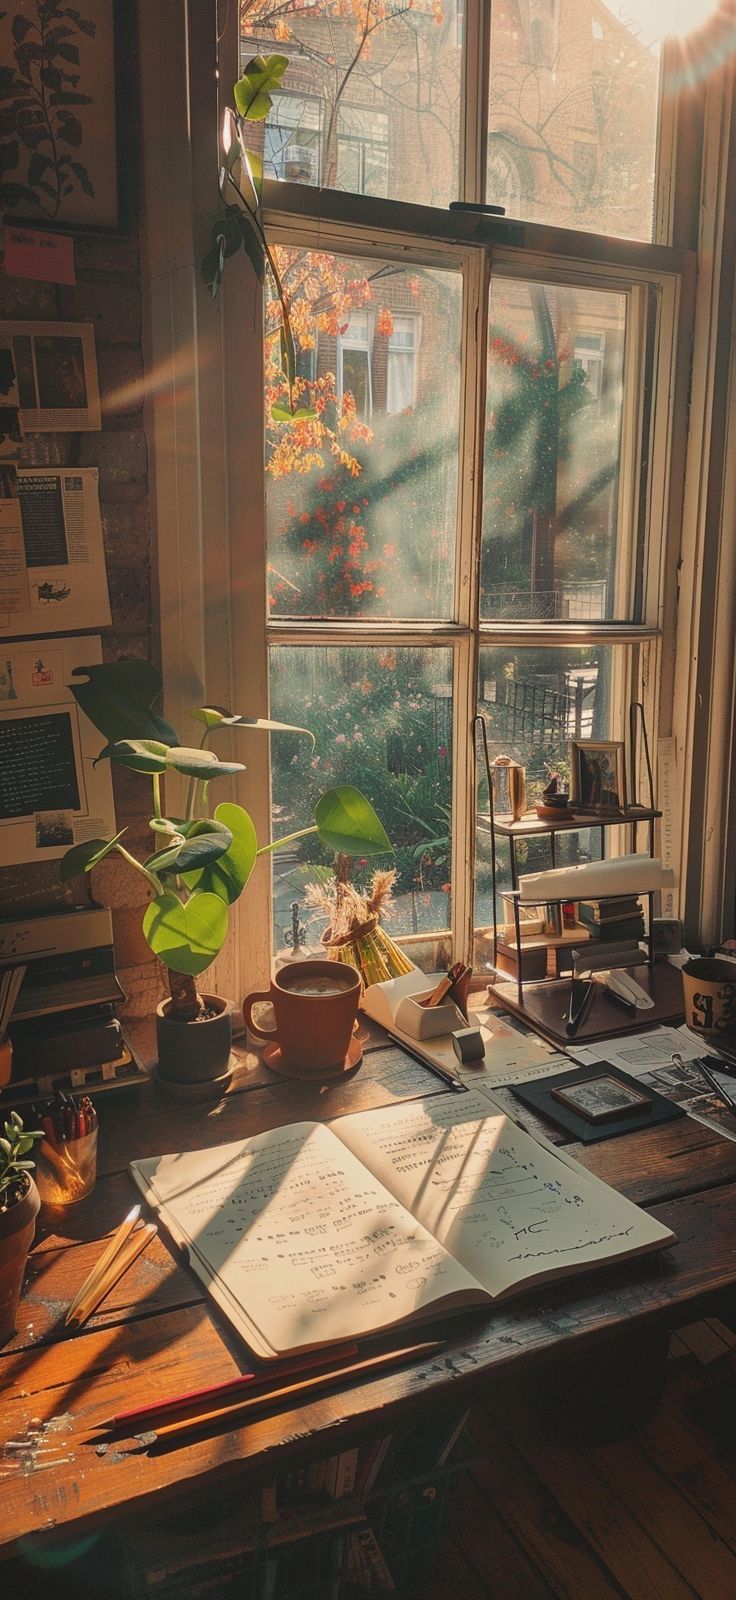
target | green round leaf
[
  {"x": 252, "y": 92},
  {"x": 83, "y": 857},
  {"x": 169, "y": 825},
  {"x": 186, "y": 937},
  {"x": 117, "y": 697},
  {"x": 228, "y": 876},
  {"x": 140, "y": 755},
  {"x": 204, "y": 764},
  {"x": 219, "y": 717},
  {"x": 185, "y": 855},
  {"x": 348, "y": 825}
]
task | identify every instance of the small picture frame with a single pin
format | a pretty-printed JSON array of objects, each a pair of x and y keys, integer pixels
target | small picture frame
[
  {"x": 602, "y": 1099},
  {"x": 598, "y": 776}
]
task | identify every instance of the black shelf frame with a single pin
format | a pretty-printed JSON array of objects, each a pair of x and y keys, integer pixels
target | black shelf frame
[{"x": 534, "y": 827}]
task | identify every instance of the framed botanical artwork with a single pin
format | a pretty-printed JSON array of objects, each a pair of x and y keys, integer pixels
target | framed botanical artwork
[
  {"x": 61, "y": 117},
  {"x": 597, "y": 776}
]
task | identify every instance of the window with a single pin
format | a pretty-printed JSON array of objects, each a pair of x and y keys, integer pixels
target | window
[
  {"x": 473, "y": 517},
  {"x": 402, "y": 371},
  {"x": 292, "y": 139},
  {"x": 362, "y": 151},
  {"x": 354, "y": 365}
]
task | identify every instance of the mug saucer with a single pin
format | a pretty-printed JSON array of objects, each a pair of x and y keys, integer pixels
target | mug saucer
[{"x": 272, "y": 1059}]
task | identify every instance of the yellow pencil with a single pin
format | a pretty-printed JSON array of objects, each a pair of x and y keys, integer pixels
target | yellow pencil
[
  {"x": 110, "y": 1251},
  {"x": 118, "y": 1266}
]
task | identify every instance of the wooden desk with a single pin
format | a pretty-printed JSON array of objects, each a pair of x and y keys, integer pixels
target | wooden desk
[{"x": 157, "y": 1333}]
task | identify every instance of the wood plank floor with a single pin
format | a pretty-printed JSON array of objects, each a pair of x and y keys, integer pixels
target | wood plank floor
[
  {"x": 649, "y": 1518},
  {"x": 538, "y": 1517}
]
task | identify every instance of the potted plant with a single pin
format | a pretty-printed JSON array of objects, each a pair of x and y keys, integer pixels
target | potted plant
[
  {"x": 201, "y": 862},
  {"x": 19, "y": 1204}
]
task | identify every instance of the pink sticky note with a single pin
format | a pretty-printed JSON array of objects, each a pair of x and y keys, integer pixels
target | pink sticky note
[{"x": 48, "y": 257}]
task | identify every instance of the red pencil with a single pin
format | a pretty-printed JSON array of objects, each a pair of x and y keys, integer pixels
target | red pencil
[{"x": 249, "y": 1381}]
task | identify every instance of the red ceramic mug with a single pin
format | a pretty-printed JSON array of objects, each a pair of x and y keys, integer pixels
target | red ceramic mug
[{"x": 315, "y": 1004}]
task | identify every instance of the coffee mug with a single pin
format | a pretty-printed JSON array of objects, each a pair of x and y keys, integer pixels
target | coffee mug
[
  {"x": 709, "y": 990},
  {"x": 315, "y": 1004}
]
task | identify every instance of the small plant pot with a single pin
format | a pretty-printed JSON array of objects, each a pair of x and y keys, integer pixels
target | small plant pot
[
  {"x": 17, "y": 1227},
  {"x": 194, "y": 1052}
]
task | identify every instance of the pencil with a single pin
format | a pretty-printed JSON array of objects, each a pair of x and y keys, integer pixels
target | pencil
[
  {"x": 110, "y": 1251},
  {"x": 713, "y": 1084},
  {"x": 447, "y": 1074},
  {"x": 231, "y": 1387},
  {"x": 124, "y": 1259},
  {"x": 232, "y": 1414}
]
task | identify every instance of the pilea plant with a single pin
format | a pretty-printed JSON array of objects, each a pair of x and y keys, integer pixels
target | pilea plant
[
  {"x": 202, "y": 862},
  {"x": 15, "y": 1147}
]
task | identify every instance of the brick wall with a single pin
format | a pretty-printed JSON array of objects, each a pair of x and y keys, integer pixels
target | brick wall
[{"x": 108, "y": 294}]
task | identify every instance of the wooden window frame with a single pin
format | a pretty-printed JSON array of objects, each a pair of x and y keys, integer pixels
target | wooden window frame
[{"x": 207, "y": 447}]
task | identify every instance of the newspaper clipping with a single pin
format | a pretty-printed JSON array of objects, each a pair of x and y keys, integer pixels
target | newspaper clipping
[{"x": 52, "y": 561}]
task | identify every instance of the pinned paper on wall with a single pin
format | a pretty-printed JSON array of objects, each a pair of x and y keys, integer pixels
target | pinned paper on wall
[
  {"x": 50, "y": 376},
  {"x": 45, "y": 257},
  {"x": 52, "y": 559},
  {"x": 51, "y": 793}
]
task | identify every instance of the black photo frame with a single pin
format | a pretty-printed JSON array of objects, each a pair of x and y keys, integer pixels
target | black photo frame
[{"x": 545, "y": 1097}]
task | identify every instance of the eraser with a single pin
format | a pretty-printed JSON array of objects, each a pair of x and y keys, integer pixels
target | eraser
[{"x": 468, "y": 1044}]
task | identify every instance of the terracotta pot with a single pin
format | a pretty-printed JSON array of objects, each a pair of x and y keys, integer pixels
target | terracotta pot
[
  {"x": 17, "y": 1227},
  {"x": 313, "y": 1031},
  {"x": 194, "y": 1052}
]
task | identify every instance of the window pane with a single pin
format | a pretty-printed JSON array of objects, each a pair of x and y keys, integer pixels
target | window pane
[
  {"x": 534, "y": 702},
  {"x": 361, "y": 499},
  {"x": 573, "y": 114},
  {"x": 388, "y": 80},
  {"x": 553, "y": 427},
  {"x": 382, "y": 718}
]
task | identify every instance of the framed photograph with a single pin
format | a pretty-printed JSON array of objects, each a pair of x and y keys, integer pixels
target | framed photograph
[
  {"x": 598, "y": 776},
  {"x": 602, "y": 1099},
  {"x": 63, "y": 112}
]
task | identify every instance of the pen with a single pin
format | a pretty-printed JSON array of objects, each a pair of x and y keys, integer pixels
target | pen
[
  {"x": 445, "y": 1073},
  {"x": 713, "y": 1083}
]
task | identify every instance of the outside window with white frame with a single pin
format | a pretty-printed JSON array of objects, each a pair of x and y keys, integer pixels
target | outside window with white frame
[{"x": 403, "y": 348}]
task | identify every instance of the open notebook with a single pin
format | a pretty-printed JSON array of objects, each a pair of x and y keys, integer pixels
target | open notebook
[{"x": 313, "y": 1234}]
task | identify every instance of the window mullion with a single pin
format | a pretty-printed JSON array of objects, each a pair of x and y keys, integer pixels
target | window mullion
[
  {"x": 474, "y": 111},
  {"x": 465, "y": 655}
]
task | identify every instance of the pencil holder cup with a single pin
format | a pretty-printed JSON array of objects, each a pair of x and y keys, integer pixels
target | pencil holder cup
[{"x": 65, "y": 1173}]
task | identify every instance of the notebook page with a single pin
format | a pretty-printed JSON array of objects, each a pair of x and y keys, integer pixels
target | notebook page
[
  {"x": 505, "y": 1206},
  {"x": 303, "y": 1237}
]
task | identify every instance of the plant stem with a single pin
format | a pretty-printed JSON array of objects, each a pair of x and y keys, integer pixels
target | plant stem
[
  {"x": 287, "y": 839},
  {"x": 153, "y": 882},
  {"x": 156, "y": 776}
]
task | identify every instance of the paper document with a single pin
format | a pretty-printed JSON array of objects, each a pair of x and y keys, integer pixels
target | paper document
[
  {"x": 648, "y": 1058},
  {"x": 51, "y": 793},
  {"x": 52, "y": 375},
  {"x": 52, "y": 560}
]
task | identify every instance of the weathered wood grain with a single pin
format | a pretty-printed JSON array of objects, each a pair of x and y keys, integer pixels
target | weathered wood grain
[{"x": 92, "y": 1376}]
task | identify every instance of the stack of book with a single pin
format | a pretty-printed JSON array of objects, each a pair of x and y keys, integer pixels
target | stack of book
[{"x": 617, "y": 920}]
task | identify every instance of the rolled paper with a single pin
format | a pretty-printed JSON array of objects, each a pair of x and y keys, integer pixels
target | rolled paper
[{"x": 625, "y": 875}]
